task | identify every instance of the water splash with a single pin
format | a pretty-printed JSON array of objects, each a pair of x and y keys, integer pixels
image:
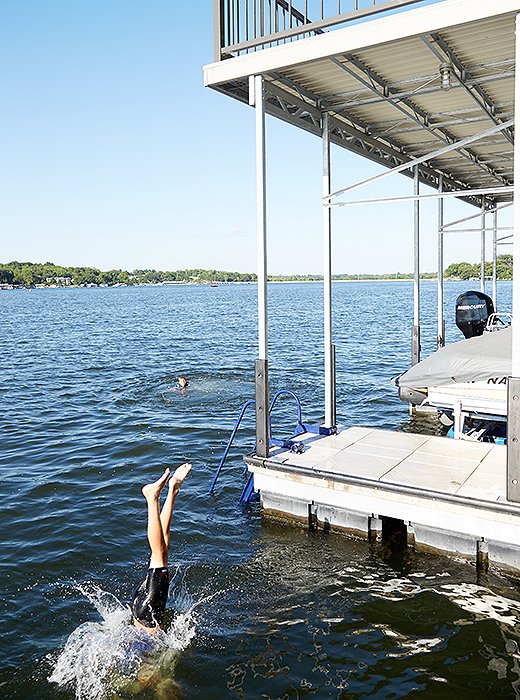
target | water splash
[{"x": 107, "y": 659}]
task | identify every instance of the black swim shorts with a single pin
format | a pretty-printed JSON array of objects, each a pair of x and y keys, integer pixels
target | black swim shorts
[{"x": 149, "y": 601}]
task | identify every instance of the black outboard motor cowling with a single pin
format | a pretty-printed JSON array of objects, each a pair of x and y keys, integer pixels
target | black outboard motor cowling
[{"x": 472, "y": 310}]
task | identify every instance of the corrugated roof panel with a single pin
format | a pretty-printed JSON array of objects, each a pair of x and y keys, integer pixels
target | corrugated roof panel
[{"x": 392, "y": 93}]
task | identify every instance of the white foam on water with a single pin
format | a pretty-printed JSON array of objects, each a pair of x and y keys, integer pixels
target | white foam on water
[{"x": 101, "y": 657}]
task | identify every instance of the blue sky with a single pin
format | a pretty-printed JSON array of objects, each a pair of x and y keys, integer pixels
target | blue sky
[{"x": 115, "y": 155}]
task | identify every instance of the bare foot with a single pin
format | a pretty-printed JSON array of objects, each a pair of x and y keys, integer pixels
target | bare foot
[
  {"x": 179, "y": 475},
  {"x": 152, "y": 491}
]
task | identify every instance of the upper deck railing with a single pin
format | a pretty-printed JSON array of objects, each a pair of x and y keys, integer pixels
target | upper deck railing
[{"x": 242, "y": 26}]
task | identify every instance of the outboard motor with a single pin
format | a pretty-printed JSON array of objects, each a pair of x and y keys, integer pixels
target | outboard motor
[{"x": 472, "y": 310}]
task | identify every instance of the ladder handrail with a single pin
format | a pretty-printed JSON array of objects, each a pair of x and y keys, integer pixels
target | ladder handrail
[
  {"x": 300, "y": 427},
  {"x": 230, "y": 442},
  {"x": 282, "y": 392}
]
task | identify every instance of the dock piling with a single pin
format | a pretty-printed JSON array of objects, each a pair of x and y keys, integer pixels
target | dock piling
[
  {"x": 313, "y": 516},
  {"x": 482, "y": 556},
  {"x": 375, "y": 528},
  {"x": 410, "y": 535}
]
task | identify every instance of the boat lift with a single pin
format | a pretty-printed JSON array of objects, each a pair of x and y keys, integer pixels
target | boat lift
[{"x": 429, "y": 91}]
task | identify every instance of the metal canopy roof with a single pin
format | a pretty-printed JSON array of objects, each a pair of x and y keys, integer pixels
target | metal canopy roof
[{"x": 386, "y": 101}]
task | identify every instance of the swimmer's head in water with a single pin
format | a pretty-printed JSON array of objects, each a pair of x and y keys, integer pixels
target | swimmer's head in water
[{"x": 182, "y": 382}]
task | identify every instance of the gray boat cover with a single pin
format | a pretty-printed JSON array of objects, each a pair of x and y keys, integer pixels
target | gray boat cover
[{"x": 484, "y": 358}]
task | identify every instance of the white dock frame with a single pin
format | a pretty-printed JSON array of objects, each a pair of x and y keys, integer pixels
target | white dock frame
[{"x": 449, "y": 497}]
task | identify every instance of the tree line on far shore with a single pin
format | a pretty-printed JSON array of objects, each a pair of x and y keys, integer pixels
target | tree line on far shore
[
  {"x": 466, "y": 271},
  {"x": 27, "y": 274}
]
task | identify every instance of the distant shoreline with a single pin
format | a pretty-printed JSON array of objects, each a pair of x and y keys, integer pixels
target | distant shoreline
[
  {"x": 7, "y": 287},
  {"x": 29, "y": 275}
]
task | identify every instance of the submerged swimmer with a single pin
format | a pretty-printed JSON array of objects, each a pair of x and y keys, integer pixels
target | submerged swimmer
[
  {"x": 182, "y": 382},
  {"x": 149, "y": 601}
]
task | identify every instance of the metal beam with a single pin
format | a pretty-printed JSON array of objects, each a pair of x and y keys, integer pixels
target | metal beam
[
  {"x": 483, "y": 250},
  {"x": 474, "y": 230},
  {"x": 379, "y": 129},
  {"x": 327, "y": 278},
  {"x": 516, "y": 232},
  {"x": 377, "y": 85},
  {"x": 416, "y": 332},
  {"x": 396, "y": 95},
  {"x": 476, "y": 93},
  {"x": 261, "y": 366},
  {"x": 495, "y": 229},
  {"x": 261, "y": 218},
  {"x": 474, "y": 216},
  {"x": 429, "y": 156},
  {"x": 513, "y": 388},
  {"x": 301, "y": 112},
  {"x": 379, "y": 200},
  {"x": 461, "y": 158},
  {"x": 440, "y": 271},
  {"x": 505, "y": 69}
]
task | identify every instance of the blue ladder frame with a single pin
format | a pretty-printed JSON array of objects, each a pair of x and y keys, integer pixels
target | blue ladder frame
[
  {"x": 291, "y": 444},
  {"x": 230, "y": 442}
]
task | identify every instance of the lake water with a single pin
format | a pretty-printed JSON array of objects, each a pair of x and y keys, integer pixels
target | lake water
[{"x": 258, "y": 610}]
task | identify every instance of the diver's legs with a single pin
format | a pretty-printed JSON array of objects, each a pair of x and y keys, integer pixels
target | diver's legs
[
  {"x": 173, "y": 489},
  {"x": 151, "y": 492}
]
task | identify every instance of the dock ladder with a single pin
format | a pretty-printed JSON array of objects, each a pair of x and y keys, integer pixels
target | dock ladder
[{"x": 294, "y": 446}]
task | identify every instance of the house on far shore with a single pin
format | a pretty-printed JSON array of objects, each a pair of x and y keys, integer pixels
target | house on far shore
[{"x": 59, "y": 281}]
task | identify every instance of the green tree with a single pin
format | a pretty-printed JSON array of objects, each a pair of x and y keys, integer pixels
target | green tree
[
  {"x": 25, "y": 276},
  {"x": 6, "y": 275},
  {"x": 505, "y": 267}
]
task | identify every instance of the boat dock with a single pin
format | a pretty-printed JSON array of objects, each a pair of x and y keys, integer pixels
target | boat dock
[
  {"x": 425, "y": 90},
  {"x": 449, "y": 494}
]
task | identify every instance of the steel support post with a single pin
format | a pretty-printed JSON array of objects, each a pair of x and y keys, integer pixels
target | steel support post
[
  {"x": 261, "y": 373},
  {"x": 513, "y": 389},
  {"x": 327, "y": 277},
  {"x": 416, "y": 332},
  {"x": 440, "y": 270},
  {"x": 495, "y": 235},
  {"x": 483, "y": 249},
  {"x": 334, "y": 384},
  {"x": 513, "y": 435},
  {"x": 262, "y": 408}
]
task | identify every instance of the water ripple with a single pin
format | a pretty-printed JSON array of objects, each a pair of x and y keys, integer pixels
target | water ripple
[{"x": 91, "y": 412}]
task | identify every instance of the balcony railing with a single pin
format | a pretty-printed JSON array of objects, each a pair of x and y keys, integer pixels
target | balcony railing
[{"x": 242, "y": 26}]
